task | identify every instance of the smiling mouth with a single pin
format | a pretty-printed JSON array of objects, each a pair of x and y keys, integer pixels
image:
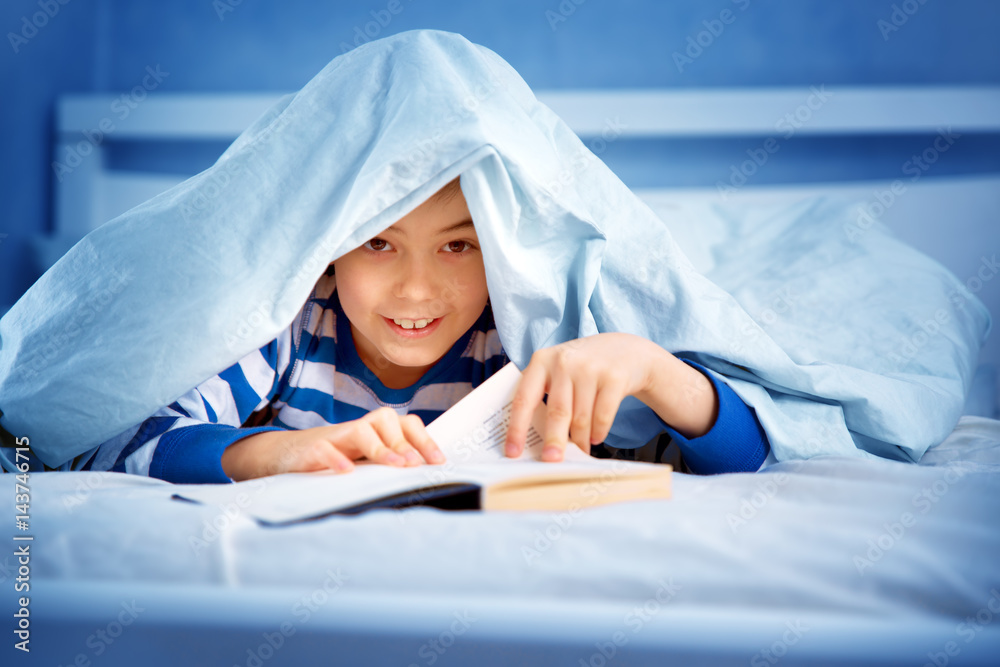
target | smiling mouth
[
  {"x": 407, "y": 329},
  {"x": 413, "y": 324}
]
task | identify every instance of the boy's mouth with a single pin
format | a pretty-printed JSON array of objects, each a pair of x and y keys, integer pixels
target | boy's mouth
[
  {"x": 413, "y": 324},
  {"x": 412, "y": 328}
]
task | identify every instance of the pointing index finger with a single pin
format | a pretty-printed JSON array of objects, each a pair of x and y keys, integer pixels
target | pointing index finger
[
  {"x": 416, "y": 433},
  {"x": 529, "y": 393}
]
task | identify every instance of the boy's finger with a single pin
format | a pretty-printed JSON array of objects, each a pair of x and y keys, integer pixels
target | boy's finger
[
  {"x": 387, "y": 425},
  {"x": 338, "y": 461},
  {"x": 372, "y": 444},
  {"x": 416, "y": 434},
  {"x": 584, "y": 395},
  {"x": 558, "y": 415},
  {"x": 529, "y": 393},
  {"x": 309, "y": 450},
  {"x": 609, "y": 398}
]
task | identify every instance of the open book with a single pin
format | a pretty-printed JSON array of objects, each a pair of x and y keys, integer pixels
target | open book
[{"x": 476, "y": 475}]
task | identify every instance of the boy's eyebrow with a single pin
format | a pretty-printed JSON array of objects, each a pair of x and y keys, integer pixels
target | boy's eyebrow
[{"x": 464, "y": 224}]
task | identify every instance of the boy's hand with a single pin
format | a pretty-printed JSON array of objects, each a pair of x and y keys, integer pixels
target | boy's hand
[
  {"x": 586, "y": 380},
  {"x": 381, "y": 436}
]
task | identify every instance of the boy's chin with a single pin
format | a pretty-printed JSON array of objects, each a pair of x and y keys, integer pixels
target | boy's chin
[
  {"x": 414, "y": 360},
  {"x": 415, "y": 363}
]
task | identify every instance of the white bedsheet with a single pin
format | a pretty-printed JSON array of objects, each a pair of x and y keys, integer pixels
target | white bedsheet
[{"x": 857, "y": 541}]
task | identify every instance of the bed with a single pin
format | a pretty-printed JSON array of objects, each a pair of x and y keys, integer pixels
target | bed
[{"x": 823, "y": 561}]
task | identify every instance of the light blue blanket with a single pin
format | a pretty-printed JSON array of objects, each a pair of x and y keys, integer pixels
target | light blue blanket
[{"x": 875, "y": 358}]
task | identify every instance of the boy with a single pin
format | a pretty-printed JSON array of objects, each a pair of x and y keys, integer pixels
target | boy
[{"x": 396, "y": 332}]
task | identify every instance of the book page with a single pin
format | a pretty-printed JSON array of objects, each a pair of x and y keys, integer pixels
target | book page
[{"x": 474, "y": 429}]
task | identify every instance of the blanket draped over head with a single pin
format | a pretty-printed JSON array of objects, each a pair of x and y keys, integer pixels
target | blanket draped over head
[{"x": 179, "y": 288}]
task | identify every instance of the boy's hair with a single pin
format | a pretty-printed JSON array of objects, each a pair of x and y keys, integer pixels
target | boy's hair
[{"x": 448, "y": 192}]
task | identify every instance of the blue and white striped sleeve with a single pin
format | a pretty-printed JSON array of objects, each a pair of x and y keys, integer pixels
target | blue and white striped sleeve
[{"x": 184, "y": 442}]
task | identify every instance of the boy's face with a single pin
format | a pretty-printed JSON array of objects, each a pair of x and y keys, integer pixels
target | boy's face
[{"x": 415, "y": 289}]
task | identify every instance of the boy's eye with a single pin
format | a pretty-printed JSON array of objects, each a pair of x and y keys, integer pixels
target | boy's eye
[
  {"x": 378, "y": 245},
  {"x": 457, "y": 246}
]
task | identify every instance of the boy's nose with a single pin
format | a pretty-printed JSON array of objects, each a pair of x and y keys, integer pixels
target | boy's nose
[{"x": 417, "y": 282}]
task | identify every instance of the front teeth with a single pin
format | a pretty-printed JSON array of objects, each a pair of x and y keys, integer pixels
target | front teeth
[{"x": 413, "y": 324}]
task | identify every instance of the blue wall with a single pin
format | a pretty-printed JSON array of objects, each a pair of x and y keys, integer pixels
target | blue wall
[{"x": 245, "y": 45}]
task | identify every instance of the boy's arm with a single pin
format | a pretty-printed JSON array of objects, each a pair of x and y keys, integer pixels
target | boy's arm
[
  {"x": 681, "y": 396},
  {"x": 184, "y": 441},
  {"x": 198, "y": 438},
  {"x": 735, "y": 440},
  {"x": 585, "y": 381}
]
